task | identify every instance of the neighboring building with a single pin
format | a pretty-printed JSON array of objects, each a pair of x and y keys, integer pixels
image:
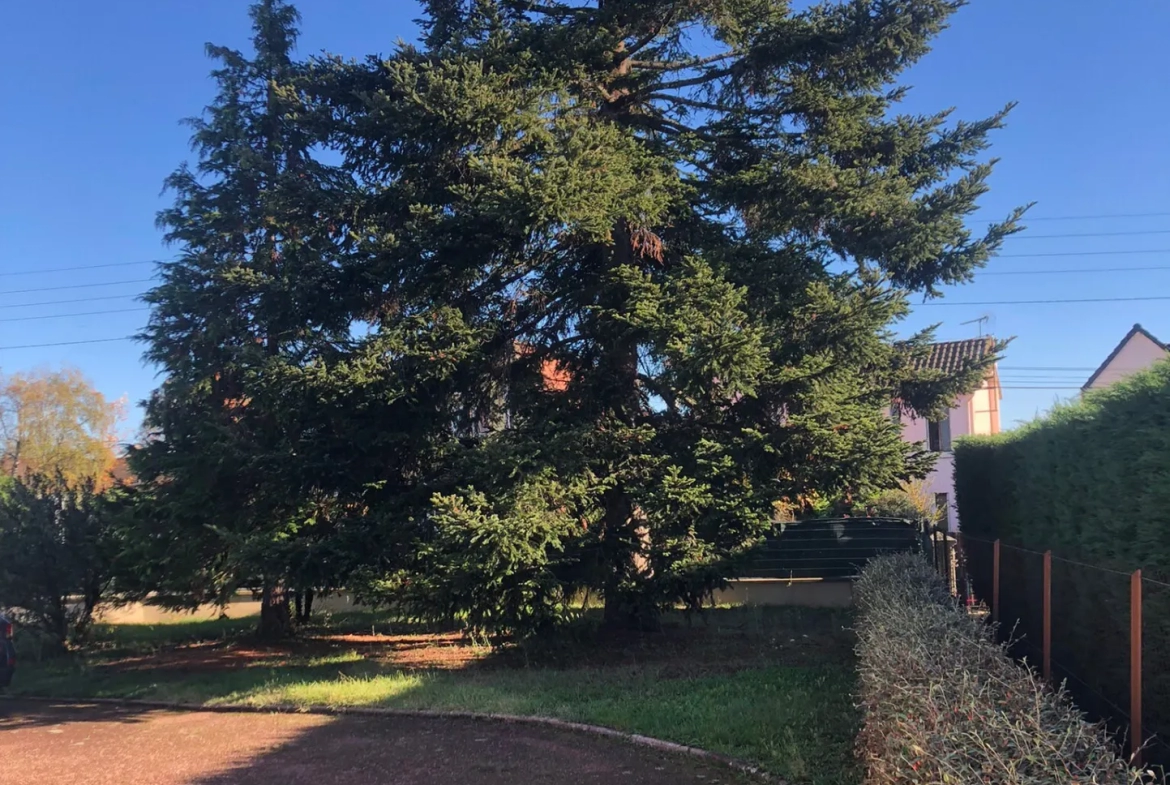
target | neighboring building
[
  {"x": 1137, "y": 351},
  {"x": 973, "y": 414}
]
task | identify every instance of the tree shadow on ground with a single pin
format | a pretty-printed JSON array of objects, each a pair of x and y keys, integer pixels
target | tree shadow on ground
[
  {"x": 370, "y": 750},
  {"x": 16, "y": 713}
]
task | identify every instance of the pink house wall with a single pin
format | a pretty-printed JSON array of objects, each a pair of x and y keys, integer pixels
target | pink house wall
[
  {"x": 977, "y": 413},
  {"x": 1138, "y": 353},
  {"x": 942, "y": 478}
]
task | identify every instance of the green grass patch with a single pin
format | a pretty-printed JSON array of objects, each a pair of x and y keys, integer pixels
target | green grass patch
[{"x": 772, "y": 686}]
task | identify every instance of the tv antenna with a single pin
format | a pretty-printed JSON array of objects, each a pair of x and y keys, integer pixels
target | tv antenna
[{"x": 980, "y": 321}]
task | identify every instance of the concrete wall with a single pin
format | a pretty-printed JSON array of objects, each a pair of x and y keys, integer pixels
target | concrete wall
[
  {"x": 241, "y": 604},
  {"x": 778, "y": 591}
]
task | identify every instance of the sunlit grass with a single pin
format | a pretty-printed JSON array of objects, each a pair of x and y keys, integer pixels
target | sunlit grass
[{"x": 733, "y": 691}]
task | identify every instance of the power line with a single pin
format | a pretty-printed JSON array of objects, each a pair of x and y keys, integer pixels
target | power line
[
  {"x": 74, "y": 300},
  {"x": 70, "y": 315},
  {"x": 1081, "y": 217},
  {"x": 1050, "y": 302},
  {"x": 1080, "y": 253},
  {"x": 75, "y": 286},
  {"x": 981, "y": 273},
  {"x": 66, "y": 343},
  {"x": 1046, "y": 368},
  {"x": 81, "y": 267},
  {"x": 1088, "y": 234}
]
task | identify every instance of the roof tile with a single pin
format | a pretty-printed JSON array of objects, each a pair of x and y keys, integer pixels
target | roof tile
[{"x": 952, "y": 356}]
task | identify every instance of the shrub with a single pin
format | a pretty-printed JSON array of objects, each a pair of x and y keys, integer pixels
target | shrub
[
  {"x": 944, "y": 704},
  {"x": 58, "y": 545},
  {"x": 912, "y": 500}
]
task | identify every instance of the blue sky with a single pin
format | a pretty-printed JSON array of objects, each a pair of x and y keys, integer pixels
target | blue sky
[{"x": 91, "y": 129}]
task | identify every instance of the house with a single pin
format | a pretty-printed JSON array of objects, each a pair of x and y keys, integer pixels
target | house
[
  {"x": 976, "y": 413},
  {"x": 1137, "y": 351}
]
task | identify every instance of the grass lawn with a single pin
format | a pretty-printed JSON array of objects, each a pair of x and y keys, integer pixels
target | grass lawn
[{"x": 769, "y": 685}]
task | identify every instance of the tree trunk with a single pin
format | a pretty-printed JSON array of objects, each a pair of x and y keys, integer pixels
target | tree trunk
[
  {"x": 627, "y": 605},
  {"x": 59, "y": 624},
  {"x": 275, "y": 615},
  {"x": 84, "y": 623},
  {"x": 304, "y": 605}
]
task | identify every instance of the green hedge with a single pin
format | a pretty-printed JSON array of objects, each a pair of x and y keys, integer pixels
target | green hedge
[
  {"x": 943, "y": 704},
  {"x": 1091, "y": 483}
]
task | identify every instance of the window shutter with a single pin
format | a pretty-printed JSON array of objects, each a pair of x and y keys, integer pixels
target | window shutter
[{"x": 944, "y": 433}]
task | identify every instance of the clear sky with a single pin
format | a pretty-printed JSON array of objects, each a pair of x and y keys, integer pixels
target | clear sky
[{"x": 91, "y": 95}]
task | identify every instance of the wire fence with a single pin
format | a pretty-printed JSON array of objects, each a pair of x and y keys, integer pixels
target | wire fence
[
  {"x": 830, "y": 548},
  {"x": 1103, "y": 633}
]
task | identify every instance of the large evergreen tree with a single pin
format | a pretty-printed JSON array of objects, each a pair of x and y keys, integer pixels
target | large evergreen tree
[
  {"x": 251, "y": 296},
  {"x": 706, "y": 216},
  {"x": 598, "y": 287}
]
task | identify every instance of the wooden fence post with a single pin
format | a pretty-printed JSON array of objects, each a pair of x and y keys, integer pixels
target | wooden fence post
[
  {"x": 1047, "y": 651},
  {"x": 1135, "y": 667},
  {"x": 995, "y": 581}
]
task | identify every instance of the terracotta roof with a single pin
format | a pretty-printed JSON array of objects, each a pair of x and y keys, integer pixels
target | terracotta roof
[
  {"x": 950, "y": 356},
  {"x": 556, "y": 378},
  {"x": 1137, "y": 328}
]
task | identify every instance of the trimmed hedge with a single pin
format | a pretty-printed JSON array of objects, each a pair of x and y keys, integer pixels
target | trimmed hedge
[
  {"x": 944, "y": 704},
  {"x": 1091, "y": 483}
]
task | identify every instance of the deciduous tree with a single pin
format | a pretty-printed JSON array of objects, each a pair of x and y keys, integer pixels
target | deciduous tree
[{"x": 55, "y": 424}]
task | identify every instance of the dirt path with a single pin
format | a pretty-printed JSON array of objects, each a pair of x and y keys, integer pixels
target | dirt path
[{"x": 83, "y": 744}]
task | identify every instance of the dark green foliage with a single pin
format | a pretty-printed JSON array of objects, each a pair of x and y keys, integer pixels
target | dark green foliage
[
  {"x": 59, "y": 548},
  {"x": 943, "y": 702},
  {"x": 238, "y": 322},
  {"x": 708, "y": 248},
  {"x": 663, "y": 243},
  {"x": 1091, "y": 482}
]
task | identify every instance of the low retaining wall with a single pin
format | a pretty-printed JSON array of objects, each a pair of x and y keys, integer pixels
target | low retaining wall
[
  {"x": 743, "y": 591},
  {"x": 242, "y": 604},
  {"x": 780, "y": 591}
]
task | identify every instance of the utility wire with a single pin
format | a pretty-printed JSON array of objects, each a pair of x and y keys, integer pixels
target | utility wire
[
  {"x": 1080, "y": 253},
  {"x": 75, "y": 300},
  {"x": 1046, "y": 368},
  {"x": 982, "y": 273},
  {"x": 1103, "y": 216},
  {"x": 1087, "y": 234},
  {"x": 66, "y": 343},
  {"x": 81, "y": 267},
  {"x": 1050, "y": 302},
  {"x": 75, "y": 286},
  {"x": 70, "y": 315}
]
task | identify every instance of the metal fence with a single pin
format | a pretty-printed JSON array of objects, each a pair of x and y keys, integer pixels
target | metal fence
[
  {"x": 831, "y": 548},
  {"x": 1103, "y": 633}
]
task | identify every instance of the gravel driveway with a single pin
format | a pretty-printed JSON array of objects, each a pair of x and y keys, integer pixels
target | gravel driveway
[{"x": 85, "y": 744}]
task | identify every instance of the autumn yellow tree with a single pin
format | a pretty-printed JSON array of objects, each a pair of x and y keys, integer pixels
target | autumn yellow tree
[{"x": 53, "y": 423}]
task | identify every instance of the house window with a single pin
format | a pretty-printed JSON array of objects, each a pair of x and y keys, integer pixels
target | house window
[
  {"x": 941, "y": 509},
  {"x": 938, "y": 434}
]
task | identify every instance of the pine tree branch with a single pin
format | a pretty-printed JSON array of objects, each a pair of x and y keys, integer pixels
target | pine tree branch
[
  {"x": 704, "y": 78},
  {"x": 555, "y": 9},
  {"x": 680, "y": 65}
]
